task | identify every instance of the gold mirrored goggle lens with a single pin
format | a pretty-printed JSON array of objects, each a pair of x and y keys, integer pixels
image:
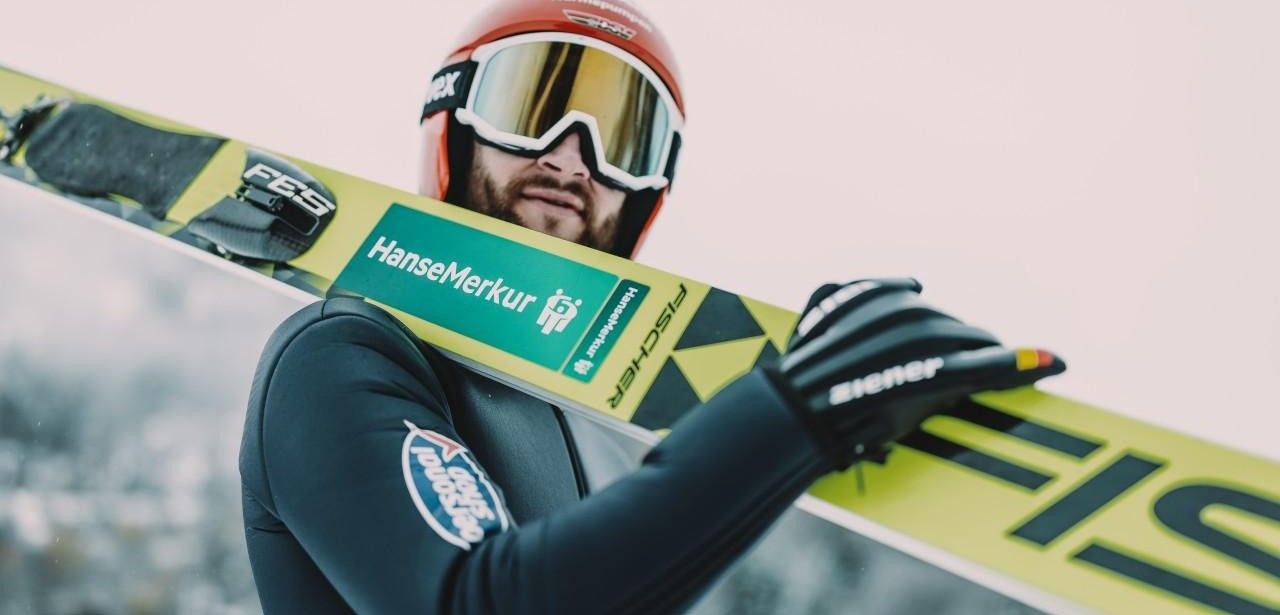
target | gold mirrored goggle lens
[{"x": 525, "y": 89}]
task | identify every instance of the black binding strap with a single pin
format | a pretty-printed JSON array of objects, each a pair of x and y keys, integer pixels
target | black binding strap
[{"x": 91, "y": 151}]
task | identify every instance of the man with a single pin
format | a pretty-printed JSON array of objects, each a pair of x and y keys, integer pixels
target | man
[
  {"x": 535, "y": 83},
  {"x": 380, "y": 478}
]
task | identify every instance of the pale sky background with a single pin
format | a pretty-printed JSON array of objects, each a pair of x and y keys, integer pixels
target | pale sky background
[{"x": 1097, "y": 177}]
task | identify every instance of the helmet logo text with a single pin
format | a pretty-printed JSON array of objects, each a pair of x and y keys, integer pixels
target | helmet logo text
[{"x": 600, "y": 23}]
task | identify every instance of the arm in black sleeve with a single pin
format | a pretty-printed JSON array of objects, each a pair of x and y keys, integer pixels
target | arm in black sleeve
[{"x": 333, "y": 439}]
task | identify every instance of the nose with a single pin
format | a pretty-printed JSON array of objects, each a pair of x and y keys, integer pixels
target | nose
[{"x": 566, "y": 158}]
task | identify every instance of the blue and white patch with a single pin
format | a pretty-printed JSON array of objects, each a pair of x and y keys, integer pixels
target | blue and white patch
[{"x": 450, "y": 490}]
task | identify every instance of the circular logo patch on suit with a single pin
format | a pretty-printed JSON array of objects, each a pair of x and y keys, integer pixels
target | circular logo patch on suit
[{"x": 450, "y": 490}]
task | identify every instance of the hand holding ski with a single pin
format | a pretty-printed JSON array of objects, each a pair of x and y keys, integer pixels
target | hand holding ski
[{"x": 870, "y": 361}]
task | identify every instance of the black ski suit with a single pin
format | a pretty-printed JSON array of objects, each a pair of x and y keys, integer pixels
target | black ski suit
[{"x": 335, "y": 523}]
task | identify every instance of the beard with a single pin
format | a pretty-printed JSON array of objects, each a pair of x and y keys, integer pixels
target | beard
[{"x": 486, "y": 197}]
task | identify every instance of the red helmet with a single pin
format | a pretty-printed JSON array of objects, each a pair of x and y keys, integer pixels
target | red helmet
[{"x": 628, "y": 102}]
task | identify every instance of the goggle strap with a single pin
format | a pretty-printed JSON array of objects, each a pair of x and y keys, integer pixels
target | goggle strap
[
  {"x": 674, "y": 152},
  {"x": 449, "y": 88}
]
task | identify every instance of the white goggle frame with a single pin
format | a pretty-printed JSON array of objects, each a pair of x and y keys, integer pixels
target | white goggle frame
[{"x": 486, "y": 131}]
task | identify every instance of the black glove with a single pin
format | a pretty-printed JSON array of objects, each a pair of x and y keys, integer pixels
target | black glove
[{"x": 869, "y": 361}]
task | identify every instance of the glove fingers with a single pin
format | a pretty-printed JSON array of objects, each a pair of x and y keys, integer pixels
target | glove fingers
[
  {"x": 888, "y": 309},
  {"x": 905, "y": 394},
  {"x": 932, "y": 336},
  {"x": 831, "y": 300},
  {"x": 818, "y": 295},
  {"x": 997, "y": 368}
]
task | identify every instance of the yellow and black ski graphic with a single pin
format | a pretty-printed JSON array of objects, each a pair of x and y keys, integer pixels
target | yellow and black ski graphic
[{"x": 1057, "y": 502}]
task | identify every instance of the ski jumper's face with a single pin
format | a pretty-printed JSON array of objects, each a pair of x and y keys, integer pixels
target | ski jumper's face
[{"x": 553, "y": 193}]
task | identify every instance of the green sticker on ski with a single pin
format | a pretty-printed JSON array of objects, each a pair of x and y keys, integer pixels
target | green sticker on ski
[
  {"x": 604, "y": 332},
  {"x": 519, "y": 299}
]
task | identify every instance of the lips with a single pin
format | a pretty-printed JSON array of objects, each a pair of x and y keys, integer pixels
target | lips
[{"x": 559, "y": 198}]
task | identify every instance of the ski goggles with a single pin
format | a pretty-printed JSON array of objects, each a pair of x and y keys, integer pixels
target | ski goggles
[{"x": 524, "y": 93}]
